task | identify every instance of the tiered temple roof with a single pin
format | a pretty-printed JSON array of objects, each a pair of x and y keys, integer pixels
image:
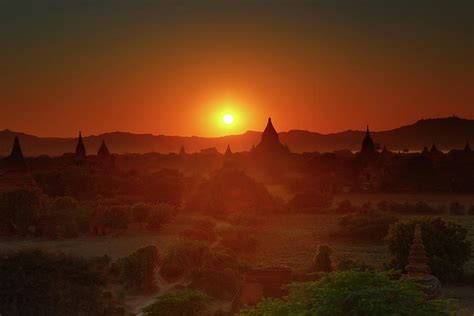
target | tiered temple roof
[{"x": 270, "y": 143}]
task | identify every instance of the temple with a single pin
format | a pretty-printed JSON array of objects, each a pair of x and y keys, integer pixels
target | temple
[
  {"x": 368, "y": 146},
  {"x": 14, "y": 173},
  {"x": 103, "y": 151},
  {"x": 270, "y": 143},
  {"x": 417, "y": 268}
]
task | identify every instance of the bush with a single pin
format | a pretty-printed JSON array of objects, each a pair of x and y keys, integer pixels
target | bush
[
  {"x": 353, "y": 293},
  {"x": 322, "y": 260},
  {"x": 219, "y": 275},
  {"x": 363, "y": 225},
  {"x": 181, "y": 257},
  {"x": 137, "y": 270},
  {"x": 33, "y": 282},
  {"x": 181, "y": 303},
  {"x": 446, "y": 245}
]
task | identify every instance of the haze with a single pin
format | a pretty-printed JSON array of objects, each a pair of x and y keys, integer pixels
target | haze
[{"x": 170, "y": 67}]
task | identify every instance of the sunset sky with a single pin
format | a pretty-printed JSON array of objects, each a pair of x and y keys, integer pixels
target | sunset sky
[{"x": 177, "y": 67}]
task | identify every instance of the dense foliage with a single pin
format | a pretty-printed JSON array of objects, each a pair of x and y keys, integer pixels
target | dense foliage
[
  {"x": 19, "y": 210},
  {"x": 352, "y": 293},
  {"x": 231, "y": 190},
  {"x": 33, "y": 282},
  {"x": 446, "y": 245},
  {"x": 137, "y": 271},
  {"x": 181, "y": 303}
]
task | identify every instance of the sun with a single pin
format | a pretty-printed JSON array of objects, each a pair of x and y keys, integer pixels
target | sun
[{"x": 228, "y": 119}]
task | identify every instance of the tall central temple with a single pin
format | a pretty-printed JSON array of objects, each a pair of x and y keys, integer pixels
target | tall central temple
[{"x": 270, "y": 143}]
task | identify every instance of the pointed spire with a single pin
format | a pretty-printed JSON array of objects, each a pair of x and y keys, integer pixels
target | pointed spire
[
  {"x": 103, "y": 150},
  {"x": 228, "y": 152},
  {"x": 434, "y": 149},
  {"x": 417, "y": 258},
  {"x": 368, "y": 146},
  {"x": 16, "y": 153},
  {"x": 269, "y": 129},
  {"x": 80, "y": 148},
  {"x": 182, "y": 151}
]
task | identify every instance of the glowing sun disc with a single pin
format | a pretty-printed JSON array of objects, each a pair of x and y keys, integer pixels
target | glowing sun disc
[{"x": 228, "y": 119}]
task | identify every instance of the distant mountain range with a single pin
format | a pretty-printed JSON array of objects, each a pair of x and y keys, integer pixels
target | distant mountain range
[{"x": 446, "y": 133}]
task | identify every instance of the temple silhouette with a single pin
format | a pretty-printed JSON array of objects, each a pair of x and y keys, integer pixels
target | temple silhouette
[{"x": 270, "y": 144}]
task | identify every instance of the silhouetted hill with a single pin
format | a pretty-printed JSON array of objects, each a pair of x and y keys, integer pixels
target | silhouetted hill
[{"x": 446, "y": 133}]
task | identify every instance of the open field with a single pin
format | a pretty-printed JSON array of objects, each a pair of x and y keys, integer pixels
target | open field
[{"x": 290, "y": 239}]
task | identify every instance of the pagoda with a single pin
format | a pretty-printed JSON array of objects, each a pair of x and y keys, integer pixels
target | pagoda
[
  {"x": 368, "y": 145},
  {"x": 270, "y": 142}
]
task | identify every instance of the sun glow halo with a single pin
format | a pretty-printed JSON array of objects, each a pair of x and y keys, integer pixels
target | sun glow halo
[{"x": 228, "y": 119}]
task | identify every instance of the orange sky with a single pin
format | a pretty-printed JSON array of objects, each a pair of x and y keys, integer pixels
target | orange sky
[{"x": 164, "y": 69}]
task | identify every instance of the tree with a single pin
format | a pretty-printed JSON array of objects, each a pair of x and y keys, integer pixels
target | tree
[
  {"x": 140, "y": 212},
  {"x": 159, "y": 214},
  {"x": 322, "y": 260},
  {"x": 34, "y": 282},
  {"x": 137, "y": 270},
  {"x": 19, "y": 210},
  {"x": 353, "y": 293},
  {"x": 446, "y": 245},
  {"x": 180, "y": 303}
]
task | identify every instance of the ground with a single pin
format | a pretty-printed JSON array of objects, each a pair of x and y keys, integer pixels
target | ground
[{"x": 285, "y": 239}]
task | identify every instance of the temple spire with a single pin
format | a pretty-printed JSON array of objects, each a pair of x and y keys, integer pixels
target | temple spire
[
  {"x": 103, "y": 150},
  {"x": 417, "y": 259},
  {"x": 228, "y": 152},
  {"x": 182, "y": 151},
  {"x": 16, "y": 153},
  {"x": 80, "y": 148}
]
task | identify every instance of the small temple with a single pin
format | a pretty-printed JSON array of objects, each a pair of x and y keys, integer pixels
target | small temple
[
  {"x": 80, "y": 148},
  {"x": 103, "y": 151},
  {"x": 270, "y": 142},
  {"x": 418, "y": 269},
  {"x": 368, "y": 145},
  {"x": 182, "y": 151},
  {"x": 14, "y": 173}
]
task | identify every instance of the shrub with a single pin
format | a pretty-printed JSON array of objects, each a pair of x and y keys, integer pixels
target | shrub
[
  {"x": 353, "y": 293},
  {"x": 446, "y": 245},
  {"x": 322, "y": 260},
  {"x": 219, "y": 275},
  {"x": 137, "y": 270},
  {"x": 181, "y": 303},
  {"x": 34, "y": 282},
  {"x": 181, "y": 257},
  {"x": 372, "y": 226}
]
